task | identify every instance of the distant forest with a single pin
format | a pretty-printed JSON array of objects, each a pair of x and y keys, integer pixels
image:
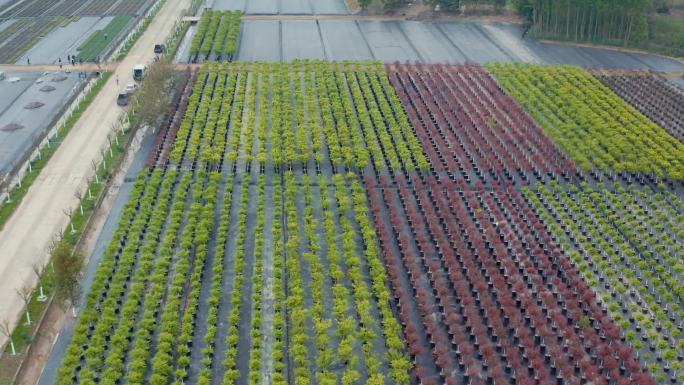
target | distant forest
[
  {"x": 651, "y": 24},
  {"x": 588, "y": 20},
  {"x": 656, "y": 25}
]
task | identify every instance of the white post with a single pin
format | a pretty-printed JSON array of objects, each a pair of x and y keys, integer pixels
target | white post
[
  {"x": 73, "y": 230},
  {"x": 28, "y": 317},
  {"x": 42, "y": 297},
  {"x": 80, "y": 206},
  {"x": 14, "y": 351},
  {"x": 29, "y": 167},
  {"x": 90, "y": 195},
  {"x": 73, "y": 311}
]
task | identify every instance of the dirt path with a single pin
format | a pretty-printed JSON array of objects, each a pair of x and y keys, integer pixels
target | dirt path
[
  {"x": 40, "y": 216},
  {"x": 42, "y": 346},
  {"x": 376, "y": 17}
]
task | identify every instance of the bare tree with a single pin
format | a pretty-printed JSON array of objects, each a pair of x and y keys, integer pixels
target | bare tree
[
  {"x": 69, "y": 213},
  {"x": 25, "y": 294},
  {"x": 114, "y": 130},
  {"x": 7, "y": 332},
  {"x": 97, "y": 178},
  {"x": 109, "y": 141},
  {"x": 9, "y": 193},
  {"x": 39, "y": 271},
  {"x": 78, "y": 195}
]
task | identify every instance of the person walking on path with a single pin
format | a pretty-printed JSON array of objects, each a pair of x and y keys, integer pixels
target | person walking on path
[
  {"x": 117, "y": 80},
  {"x": 28, "y": 61}
]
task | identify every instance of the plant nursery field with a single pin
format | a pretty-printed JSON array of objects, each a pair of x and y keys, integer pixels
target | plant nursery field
[
  {"x": 216, "y": 37},
  {"x": 327, "y": 223}
]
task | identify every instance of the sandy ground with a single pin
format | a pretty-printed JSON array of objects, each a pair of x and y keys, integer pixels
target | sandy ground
[{"x": 40, "y": 217}]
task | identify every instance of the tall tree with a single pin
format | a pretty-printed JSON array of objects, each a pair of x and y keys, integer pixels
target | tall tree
[{"x": 67, "y": 269}]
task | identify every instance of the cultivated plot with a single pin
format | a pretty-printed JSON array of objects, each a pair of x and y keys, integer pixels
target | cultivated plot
[
  {"x": 250, "y": 257},
  {"x": 652, "y": 95},
  {"x": 63, "y": 41},
  {"x": 626, "y": 243},
  {"x": 216, "y": 36},
  {"x": 593, "y": 125},
  {"x": 502, "y": 283},
  {"x": 59, "y": 25}
]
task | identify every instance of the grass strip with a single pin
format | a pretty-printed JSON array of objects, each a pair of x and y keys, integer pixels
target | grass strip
[{"x": 98, "y": 40}]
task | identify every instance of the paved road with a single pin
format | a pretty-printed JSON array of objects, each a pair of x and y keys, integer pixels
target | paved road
[
  {"x": 87, "y": 67},
  {"x": 40, "y": 216}
]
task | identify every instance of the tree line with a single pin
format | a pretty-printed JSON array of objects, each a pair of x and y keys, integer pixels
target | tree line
[
  {"x": 611, "y": 21},
  {"x": 597, "y": 21}
]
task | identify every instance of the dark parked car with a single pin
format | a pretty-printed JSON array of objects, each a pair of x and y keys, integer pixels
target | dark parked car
[
  {"x": 122, "y": 99},
  {"x": 159, "y": 48}
]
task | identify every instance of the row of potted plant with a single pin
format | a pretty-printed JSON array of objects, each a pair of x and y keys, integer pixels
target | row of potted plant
[
  {"x": 296, "y": 311},
  {"x": 280, "y": 306},
  {"x": 199, "y": 94},
  {"x": 323, "y": 338},
  {"x": 391, "y": 328},
  {"x": 207, "y": 191},
  {"x": 232, "y": 374},
  {"x": 237, "y": 117},
  {"x": 256, "y": 354},
  {"x": 205, "y": 374},
  {"x": 214, "y": 132},
  {"x": 346, "y": 329}
]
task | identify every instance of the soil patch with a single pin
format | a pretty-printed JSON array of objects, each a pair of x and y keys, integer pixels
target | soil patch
[
  {"x": 353, "y": 6},
  {"x": 34, "y": 105},
  {"x": 420, "y": 11},
  {"x": 12, "y": 127}
]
